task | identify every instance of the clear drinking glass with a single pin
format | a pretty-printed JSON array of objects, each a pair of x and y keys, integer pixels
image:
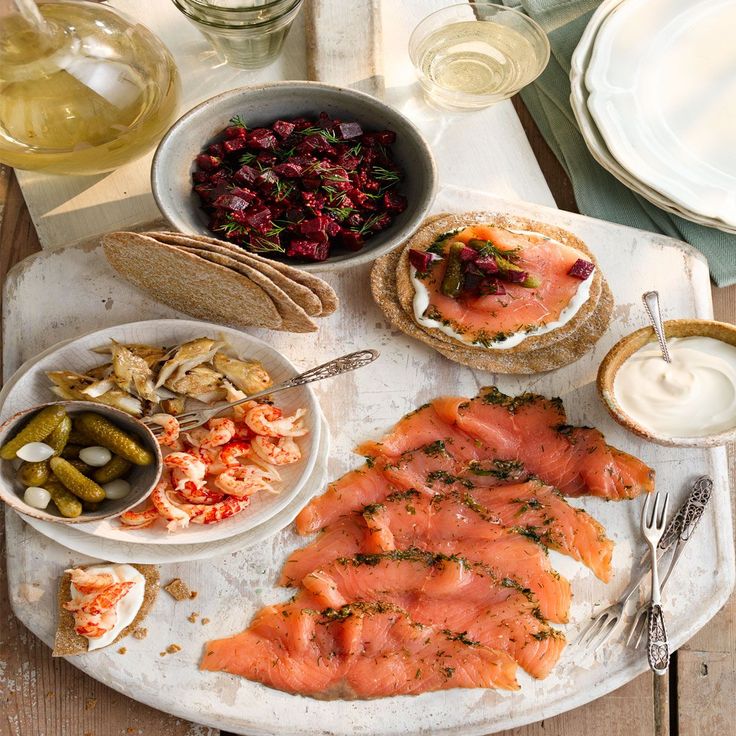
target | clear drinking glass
[
  {"x": 249, "y": 34},
  {"x": 471, "y": 55}
]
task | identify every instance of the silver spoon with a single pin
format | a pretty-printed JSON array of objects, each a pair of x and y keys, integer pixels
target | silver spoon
[{"x": 651, "y": 303}]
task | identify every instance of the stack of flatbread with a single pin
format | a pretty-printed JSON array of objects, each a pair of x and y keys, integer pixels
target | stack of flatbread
[
  {"x": 392, "y": 289},
  {"x": 216, "y": 281}
]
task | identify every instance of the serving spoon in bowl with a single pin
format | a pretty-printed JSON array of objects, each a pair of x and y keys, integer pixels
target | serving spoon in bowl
[{"x": 651, "y": 304}]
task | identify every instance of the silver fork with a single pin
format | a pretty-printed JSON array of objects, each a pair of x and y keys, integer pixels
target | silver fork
[
  {"x": 688, "y": 517},
  {"x": 603, "y": 627},
  {"x": 192, "y": 419},
  {"x": 652, "y": 528}
]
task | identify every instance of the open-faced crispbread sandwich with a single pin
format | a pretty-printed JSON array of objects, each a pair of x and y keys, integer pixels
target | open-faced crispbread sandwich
[
  {"x": 101, "y": 604},
  {"x": 495, "y": 292}
]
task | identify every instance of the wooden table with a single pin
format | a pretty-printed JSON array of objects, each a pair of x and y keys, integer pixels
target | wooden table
[{"x": 46, "y": 697}]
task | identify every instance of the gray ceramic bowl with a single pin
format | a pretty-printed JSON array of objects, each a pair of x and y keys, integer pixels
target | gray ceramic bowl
[
  {"x": 142, "y": 479},
  {"x": 171, "y": 173}
]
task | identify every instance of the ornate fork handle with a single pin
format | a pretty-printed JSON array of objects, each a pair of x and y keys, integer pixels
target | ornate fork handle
[
  {"x": 335, "y": 367},
  {"x": 658, "y": 651}
]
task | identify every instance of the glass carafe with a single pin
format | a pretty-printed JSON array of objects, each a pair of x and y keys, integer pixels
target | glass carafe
[{"x": 83, "y": 89}]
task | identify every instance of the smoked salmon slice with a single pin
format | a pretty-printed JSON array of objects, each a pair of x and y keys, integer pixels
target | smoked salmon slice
[
  {"x": 442, "y": 524},
  {"x": 450, "y": 592},
  {"x": 534, "y": 430},
  {"x": 356, "y": 651}
]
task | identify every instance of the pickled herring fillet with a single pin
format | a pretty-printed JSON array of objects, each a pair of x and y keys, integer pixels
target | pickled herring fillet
[
  {"x": 448, "y": 592},
  {"x": 356, "y": 651},
  {"x": 449, "y": 525}
]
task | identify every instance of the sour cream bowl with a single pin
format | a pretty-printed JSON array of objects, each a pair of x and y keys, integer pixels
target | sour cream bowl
[{"x": 656, "y": 401}]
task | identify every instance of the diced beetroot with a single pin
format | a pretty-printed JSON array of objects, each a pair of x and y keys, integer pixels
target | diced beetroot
[
  {"x": 381, "y": 137},
  {"x": 354, "y": 219},
  {"x": 486, "y": 263},
  {"x": 262, "y": 138},
  {"x": 200, "y": 177},
  {"x": 314, "y": 225},
  {"x": 266, "y": 159},
  {"x": 468, "y": 255},
  {"x": 351, "y": 240},
  {"x": 288, "y": 170},
  {"x": 267, "y": 178},
  {"x": 304, "y": 161},
  {"x": 216, "y": 149},
  {"x": 235, "y": 131},
  {"x": 348, "y": 162},
  {"x": 371, "y": 185},
  {"x": 301, "y": 123},
  {"x": 333, "y": 228},
  {"x": 421, "y": 259},
  {"x": 394, "y": 202},
  {"x": 234, "y": 144},
  {"x": 238, "y": 216},
  {"x": 243, "y": 193},
  {"x": 260, "y": 220},
  {"x": 314, "y": 201},
  {"x": 207, "y": 162},
  {"x": 283, "y": 129},
  {"x": 379, "y": 222},
  {"x": 205, "y": 192},
  {"x": 349, "y": 130},
  {"x": 309, "y": 249},
  {"x": 311, "y": 183},
  {"x": 514, "y": 277},
  {"x": 314, "y": 142},
  {"x": 294, "y": 215},
  {"x": 231, "y": 203},
  {"x": 246, "y": 175},
  {"x": 581, "y": 269}
]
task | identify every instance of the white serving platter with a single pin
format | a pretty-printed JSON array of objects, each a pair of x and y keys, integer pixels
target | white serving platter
[
  {"x": 40, "y": 311},
  {"x": 29, "y": 387}
]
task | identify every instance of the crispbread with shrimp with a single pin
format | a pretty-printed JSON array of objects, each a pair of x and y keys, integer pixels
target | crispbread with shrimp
[{"x": 67, "y": 642}]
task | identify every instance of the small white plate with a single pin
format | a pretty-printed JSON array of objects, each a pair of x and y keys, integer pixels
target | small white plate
[
  {"x": 29, "y": 386},
  {"x": 663, "y": 95}
]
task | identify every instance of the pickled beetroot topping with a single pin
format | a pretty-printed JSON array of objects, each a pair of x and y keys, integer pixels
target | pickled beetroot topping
[
  {"x": 300, "y": 188},
  {"x": 581, "y": 269}
]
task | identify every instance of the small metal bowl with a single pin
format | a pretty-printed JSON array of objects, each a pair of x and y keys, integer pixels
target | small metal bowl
[
  {"x": 142, "y": 479},
  {"x": 628, "y": 345},
  {"x": 173, "y": 164}
]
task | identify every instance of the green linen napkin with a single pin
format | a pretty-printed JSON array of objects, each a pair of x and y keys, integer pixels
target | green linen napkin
[{"x": 597, "y": 193}]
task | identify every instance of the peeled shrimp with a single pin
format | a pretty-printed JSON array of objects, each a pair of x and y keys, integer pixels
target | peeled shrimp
[
  {"x": 282, "y": 451},
  {"x": 221, "y": 431},
  {"x": 243, "y": 481},
  {"x": 174, "y": 515},
  {"x": 267, "y": 420},
  {"x": 200, "y": 514},
  {"x": 89, "y": 582},
  {"x": 171, "y": 429},
  {"x": 140, "y": 519},
  {"x": 185, "y": 469},
  {"x": 96, "y": 604},
  {"x": 232, "y": 451}
]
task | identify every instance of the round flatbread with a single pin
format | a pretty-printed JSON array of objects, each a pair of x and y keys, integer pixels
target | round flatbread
[
  {"x": 561, "y": 353},
  {"x": 194, "y": 286},
  {"x": 430, "y": 231},
  {"x": 322, "y": 290}
]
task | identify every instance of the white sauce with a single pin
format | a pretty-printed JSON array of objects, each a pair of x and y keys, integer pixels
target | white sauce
[
  {"x": 127, "y": 607},
  {"x": 693, "y": 396},
  {"x": 421, "y": 302}
]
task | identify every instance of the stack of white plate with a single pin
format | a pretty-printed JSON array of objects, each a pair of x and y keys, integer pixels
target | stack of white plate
[{"x": 654, "y": 93}]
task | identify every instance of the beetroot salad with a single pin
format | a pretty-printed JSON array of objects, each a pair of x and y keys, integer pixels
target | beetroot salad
[{"x": 301, "y": 189}]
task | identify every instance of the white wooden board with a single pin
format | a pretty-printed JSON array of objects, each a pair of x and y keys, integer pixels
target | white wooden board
[
  {"x": 494, "y": 155},
  {"x": 40, "y": 309}
]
